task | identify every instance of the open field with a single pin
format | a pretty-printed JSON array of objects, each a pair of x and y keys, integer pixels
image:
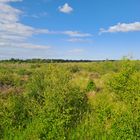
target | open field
[
  {"x": 70, "y": 101},
  {"x": 69, "y": 70}
]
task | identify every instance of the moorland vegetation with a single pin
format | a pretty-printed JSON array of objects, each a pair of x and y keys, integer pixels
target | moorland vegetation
[{"x": 70, "y": 101}]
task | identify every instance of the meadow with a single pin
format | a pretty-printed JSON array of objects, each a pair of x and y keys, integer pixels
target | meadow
[{"x": 70, "y": 101}]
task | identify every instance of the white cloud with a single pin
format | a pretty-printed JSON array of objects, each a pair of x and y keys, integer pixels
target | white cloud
[
  {"x": 65, "y": 8},
  {"x": 13, "y": 33},
  {"x": 37, "y": 15},
  {"x": 75, "y": 40},
  {"x": 76, "y": 34},
  {"x": 78, "y": 40},
  {"x": 123, "y": 27},
  {"x": 76, "y": 51},
  {"x": 34, "y": 46},
  {"x": 10, "y": 1},
  {"x": 22, "y": 45}
]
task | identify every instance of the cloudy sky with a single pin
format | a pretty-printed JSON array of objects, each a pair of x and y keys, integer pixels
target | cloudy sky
[{"x": 69, "y": 29}]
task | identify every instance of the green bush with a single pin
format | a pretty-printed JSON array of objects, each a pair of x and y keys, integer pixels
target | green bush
[
  {"x": 24, "y": 72},
  {"x": 49, "y": 109},
  {"x": 9, "y": 79},
  {"x": 74, "y": 69},
  {"x": 91, "y": 86},
  {"x": 126, "y": 82},
  {"x": 62, "y": 104}
]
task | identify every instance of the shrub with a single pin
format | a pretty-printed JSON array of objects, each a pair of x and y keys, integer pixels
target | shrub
[
  {"x": 126, "y": 82},
  {"x": 91, "y": 86},
  {"x": 9, "y": 79},
  {"x": 74, "y": 69},
  {"x": 24, "y": 72},
  {"x": 62, "y": 104}
]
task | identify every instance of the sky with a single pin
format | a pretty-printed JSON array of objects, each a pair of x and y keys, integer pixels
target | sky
[{"x": 69, "y": 29}]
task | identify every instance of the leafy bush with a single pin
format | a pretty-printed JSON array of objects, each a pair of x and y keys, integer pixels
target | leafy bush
[
  {"x": 49, "y": 109},
  {"x": 126, "y": 82},
  {"x": 74, "y": 69},
  {"x": 8, "y": 79},
  {"x": 91, "y": 86},
  {"x": 62, "y": 104},
  {"x": 24, "y": 72}
]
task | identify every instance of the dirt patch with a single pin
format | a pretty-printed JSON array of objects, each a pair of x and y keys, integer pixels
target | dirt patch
[{"x": 91, "y": 94}]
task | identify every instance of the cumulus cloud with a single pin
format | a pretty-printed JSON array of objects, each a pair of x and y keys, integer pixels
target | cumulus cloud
[
  {"x": 12, "y": 32},
  {"x": 65, "y": 8},
  {"x": 122, "y": 27}
]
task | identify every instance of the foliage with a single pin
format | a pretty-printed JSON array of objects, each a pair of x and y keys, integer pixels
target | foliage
[
  {"x": 59, "y": 106},
  {"x": 126, "y": 82},
  {"x": 91, "y": 86},
  {"x": 53, "y": 101},
  {"x": 74, "y": 69},
  {"x": 7, "y": 79}
]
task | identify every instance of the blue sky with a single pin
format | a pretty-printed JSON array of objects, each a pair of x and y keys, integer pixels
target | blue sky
[{"x": 69, "y": 29}]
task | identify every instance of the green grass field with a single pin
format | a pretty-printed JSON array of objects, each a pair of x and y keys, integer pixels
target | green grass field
[{"x": 70, "y": 101}]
